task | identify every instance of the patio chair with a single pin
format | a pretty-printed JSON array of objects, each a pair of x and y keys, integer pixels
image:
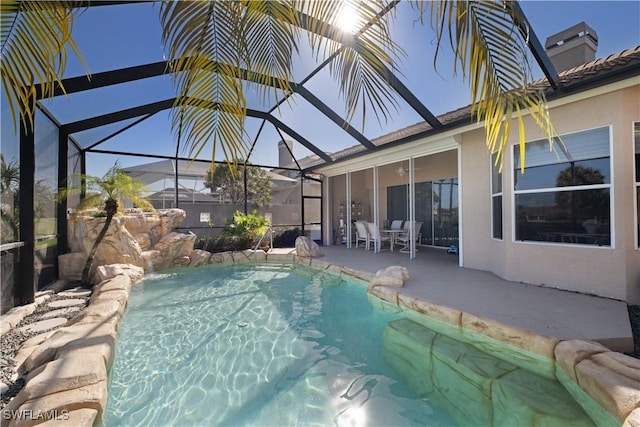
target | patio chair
[
  {"x": 362, "y": 235},
  {"x": 376, "y": 237},
  {"x": 396, "y": 224},
  {"x": 405, "y": 237}
]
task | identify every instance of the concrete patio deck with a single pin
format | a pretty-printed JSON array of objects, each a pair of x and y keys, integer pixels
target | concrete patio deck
[{"x": 436, "y": 276}]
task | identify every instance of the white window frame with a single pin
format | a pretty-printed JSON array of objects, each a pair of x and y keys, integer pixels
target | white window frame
[
  {"x": 492, "y": 167},
  {"x": 610, "y": 186}
]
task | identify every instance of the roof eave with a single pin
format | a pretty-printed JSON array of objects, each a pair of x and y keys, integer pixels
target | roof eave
[{"x": 570, "y": 87}]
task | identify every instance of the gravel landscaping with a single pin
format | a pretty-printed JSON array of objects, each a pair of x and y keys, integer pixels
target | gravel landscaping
[{"x": 11, "y": 341}]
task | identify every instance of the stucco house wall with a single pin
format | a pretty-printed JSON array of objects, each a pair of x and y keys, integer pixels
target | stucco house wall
[
  {"x": 609, "y": 271},
  {"x": 606, "y": 271},
  {"x": 479, "y": 250}
]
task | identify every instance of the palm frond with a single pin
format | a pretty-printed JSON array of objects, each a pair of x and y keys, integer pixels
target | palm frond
[
  {"x": 91, "y": 200},
  {"x": 201, "y": 42},
  {"x": 128, "y": 188},
  {"x": 34, "y": 39},
  {"x": 115, "y": 184},
  {"x": 493, "y": 56},
  {"x": 270, "y": 30},
  {"x": 9, "y": 174},
  {"x": 362, "y": 60}
]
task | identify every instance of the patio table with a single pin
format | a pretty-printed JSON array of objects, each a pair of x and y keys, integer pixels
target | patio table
[{"x": 392, "y": 232}]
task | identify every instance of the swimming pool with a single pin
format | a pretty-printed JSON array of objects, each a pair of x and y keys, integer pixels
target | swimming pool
[{"x": 271, "y": 345}]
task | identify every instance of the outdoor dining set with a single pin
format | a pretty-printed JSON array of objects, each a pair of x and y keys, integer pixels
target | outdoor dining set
[{"x": 399, "y": 232}]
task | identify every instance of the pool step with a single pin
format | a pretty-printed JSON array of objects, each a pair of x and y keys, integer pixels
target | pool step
[
  {"x": 472, "y": 386},
  {"x": 523, "y": 398},
  {"x": 406, "y": 347},
  {"x": 461, "y": 372}
]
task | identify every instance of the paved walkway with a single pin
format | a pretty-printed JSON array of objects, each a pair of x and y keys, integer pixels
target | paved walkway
[{"x": 437, "y": 277}]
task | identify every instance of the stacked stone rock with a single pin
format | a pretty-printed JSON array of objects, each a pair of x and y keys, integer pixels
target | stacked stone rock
[
  {"x": 305, "y": 247},
  {"x": 66, "y": 370},
  {"x": 138, "y": 238},
  {"x": 586, "y": 369}
]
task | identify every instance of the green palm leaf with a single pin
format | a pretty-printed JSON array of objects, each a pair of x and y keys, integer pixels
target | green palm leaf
[
  {"x": 493, "y": 55},
  {"x": 114, "y": 185},
  {"x": 201, "y": 41},
  {"x": 269, "y": 31},
  {"x": 210, "y": 45},
  {"x": 362, "y": 60},
  {"x": 34, "y": 38}
]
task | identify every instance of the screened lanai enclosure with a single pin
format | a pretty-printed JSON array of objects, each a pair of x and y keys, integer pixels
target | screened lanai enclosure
[{"x": 122, "y": 112}]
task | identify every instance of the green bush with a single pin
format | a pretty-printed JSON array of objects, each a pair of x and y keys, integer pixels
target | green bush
[
  {"x": 223, "y": 244},
  {"x": 245, "y": 227},
  {"x": 243, "y": 231},
  {"x": 201, "y": 243}
]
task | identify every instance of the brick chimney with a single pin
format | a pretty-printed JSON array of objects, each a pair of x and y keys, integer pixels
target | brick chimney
[{"x": 572, "y": 47}]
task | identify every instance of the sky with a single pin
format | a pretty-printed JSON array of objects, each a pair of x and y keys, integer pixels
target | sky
[{"x": 116, "y": 37}]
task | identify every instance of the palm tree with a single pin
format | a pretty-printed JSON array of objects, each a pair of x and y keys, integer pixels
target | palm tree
[
  {"x": 9, "y": 206},
  {"x": 110, "y": 190},
  {"x": 213, "y": 46}
]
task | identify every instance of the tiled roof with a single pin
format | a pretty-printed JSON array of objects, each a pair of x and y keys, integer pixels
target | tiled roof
[
  {"x": 620, "y": 62},
  {"x": 624, "y": 60}
]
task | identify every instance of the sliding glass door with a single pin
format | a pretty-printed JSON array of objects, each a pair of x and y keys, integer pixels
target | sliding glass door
[
  {"x": 424, "y": 211},
  {"x": 436, "y": 207},
  {"x": 445, "y": 212}
]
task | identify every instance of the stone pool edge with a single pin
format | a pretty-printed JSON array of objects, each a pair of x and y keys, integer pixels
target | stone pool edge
[{"x": 66, "y": 371}]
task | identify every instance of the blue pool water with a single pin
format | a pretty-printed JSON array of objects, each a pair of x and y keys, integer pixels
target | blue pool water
[{"x": 245, "y": 346}]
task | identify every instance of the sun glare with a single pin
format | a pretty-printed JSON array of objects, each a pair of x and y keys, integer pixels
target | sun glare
[
  {"x": 353, "y": 417},
  {"x": 348, "y": 18}
]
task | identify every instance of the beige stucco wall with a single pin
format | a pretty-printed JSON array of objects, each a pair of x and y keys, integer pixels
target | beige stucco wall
[
  {"x": 625, "y": 183},
  {"x": 479, "y": 249},
  {"x": 606, "y": 271},
  {"x": 612, "y": 272}
]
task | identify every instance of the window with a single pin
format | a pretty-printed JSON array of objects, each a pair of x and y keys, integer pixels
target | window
[
  {"x": 636, "y": 137},
  {"x": 563, "y": 196},
  {"x": 496, "y": 198}
]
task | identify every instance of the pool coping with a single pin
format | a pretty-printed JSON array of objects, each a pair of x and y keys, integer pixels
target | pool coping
[{"x": 79, "y": 396}]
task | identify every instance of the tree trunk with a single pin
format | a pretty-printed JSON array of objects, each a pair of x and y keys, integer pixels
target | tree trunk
[{"x": 87, "y": 267}]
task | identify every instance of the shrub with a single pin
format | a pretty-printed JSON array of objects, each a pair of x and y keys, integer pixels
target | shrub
[
  {"x": 245, "y": 227},
  {"x": 287, "y": 238},
  {"x": 237, "y": 235},
  {"x": 201, "y": 243}
]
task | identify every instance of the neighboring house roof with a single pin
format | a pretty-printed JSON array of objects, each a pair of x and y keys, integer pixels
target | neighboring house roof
[
  {"x": 592, "y": 74},
  {"x": 184, "y": 194},
  {"x": 283, "y": 187},
  {"x": 156, "y": 171}
]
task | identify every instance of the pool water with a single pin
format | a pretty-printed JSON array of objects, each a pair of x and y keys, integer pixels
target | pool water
[{"x": 247, "y": 345}]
